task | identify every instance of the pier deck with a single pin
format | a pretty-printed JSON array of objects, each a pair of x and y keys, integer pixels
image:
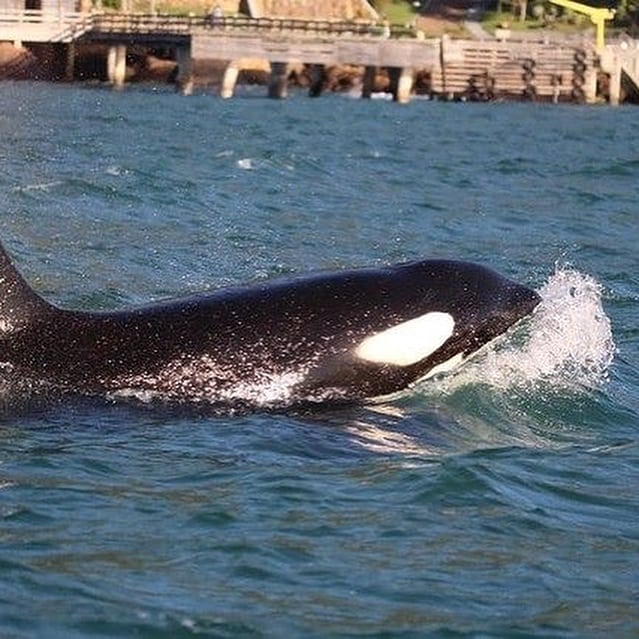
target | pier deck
[{"x": 468, "y": 69}]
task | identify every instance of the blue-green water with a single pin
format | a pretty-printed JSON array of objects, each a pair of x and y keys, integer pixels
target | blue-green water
[{"x": 502, "y": 501}]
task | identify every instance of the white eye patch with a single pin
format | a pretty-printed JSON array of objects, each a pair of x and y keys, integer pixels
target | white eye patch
[{"x": 409, "y": 342}]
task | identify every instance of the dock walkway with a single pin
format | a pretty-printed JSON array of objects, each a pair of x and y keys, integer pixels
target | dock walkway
[{"x": 458, "y": 69}]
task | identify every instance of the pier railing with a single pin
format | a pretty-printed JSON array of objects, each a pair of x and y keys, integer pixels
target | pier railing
[
  {"x": 63, "y": 26},
  {"x": 149, "y": 23},
  {"x": 134, "y": 24},
  {"x": 39, "y": 17},
  {"x": 43, "y": 26},
  {"x": 467, "y": 68}
]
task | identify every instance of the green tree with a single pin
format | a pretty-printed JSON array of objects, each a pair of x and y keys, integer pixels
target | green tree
[{"x": 628, "y": 14}]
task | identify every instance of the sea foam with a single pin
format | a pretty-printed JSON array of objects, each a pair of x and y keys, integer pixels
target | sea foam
[{"x": 567, "y": 342}]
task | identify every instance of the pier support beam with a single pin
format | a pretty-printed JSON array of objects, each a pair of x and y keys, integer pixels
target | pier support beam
[
  {"x": 233, "y": 69},
  {"x": 316, "y": 72},
  {"x": 278, "y": 83},
  {"x": 368, "y": 83},
  {"x": 70, "y": 62},
  {"x": 590, "y": 86},
  {"x": 401, "y": 83},
  {"x": 184, "y": 80},
  {"x": 615, "y": 81},
  {"x": 111, "y": 65},
  {"x": 116, "y": 65},
  {"x": 229, "y": 80}
]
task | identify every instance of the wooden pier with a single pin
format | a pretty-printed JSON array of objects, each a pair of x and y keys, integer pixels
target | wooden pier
[{"x": 457, "y": 69}]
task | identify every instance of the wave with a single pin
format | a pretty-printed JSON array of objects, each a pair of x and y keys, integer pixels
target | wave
[
  {"x": 540, "y": 385},
  {"x": 567, "y": 344}
]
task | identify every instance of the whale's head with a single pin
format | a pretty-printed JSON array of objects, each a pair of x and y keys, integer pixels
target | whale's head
[
  {"x": 432, "y": 316},
  {"x": 442, "y": 309}
]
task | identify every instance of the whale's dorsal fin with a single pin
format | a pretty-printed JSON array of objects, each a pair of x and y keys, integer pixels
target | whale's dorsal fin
[{"x": 19, "y": 303}]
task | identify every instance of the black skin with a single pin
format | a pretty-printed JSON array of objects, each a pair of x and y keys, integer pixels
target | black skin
[{"x": 311, "y": 324}]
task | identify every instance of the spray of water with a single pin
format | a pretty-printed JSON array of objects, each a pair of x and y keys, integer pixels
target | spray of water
[{"x": 567, "y": 343}]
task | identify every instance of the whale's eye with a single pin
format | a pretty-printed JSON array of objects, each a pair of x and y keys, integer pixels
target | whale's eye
[{"x": 408, "y": 342}]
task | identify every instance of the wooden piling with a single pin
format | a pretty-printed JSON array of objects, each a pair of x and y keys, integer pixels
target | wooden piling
[
  {"x": 316, "y": 72},
  {"x": 401, "y": 83},
  {"x": 457, "y": 68},
  {"x": 116, "y": 65},
  {"x": 70, "y": 62},
  {"x": 278, "y": 83},
  {"x": 615, "y": 81},
  {"x": 229, "y": 80},
  {"x": 184, "y": 80},
  {"x": 368, "y": 84}
]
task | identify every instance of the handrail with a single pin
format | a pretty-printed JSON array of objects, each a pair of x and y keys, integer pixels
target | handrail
[
  {"x": 291, "y": 24},
  {"x": 136, "y": 23},
  {"x": 39, "y": 17},
  {"x": 132, "y": 23}
]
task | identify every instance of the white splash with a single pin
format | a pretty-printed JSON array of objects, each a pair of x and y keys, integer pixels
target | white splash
[
  {"x": 204, "y": 380},
  {"x": 116, "y": 171},
  {"x": 266, "y": 390},
  {"x": 246, "y": 164},
  {"x": 40, "y": 186},
  {"x": 566, "y": 343}
]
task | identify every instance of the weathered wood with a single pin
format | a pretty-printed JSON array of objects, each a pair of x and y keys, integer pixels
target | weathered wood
[
  {"x": 184, "y": 81},
  {"x": 116, "y": 65},
  {"x": 41, "y": 26},
  {"x": 315, "y": 50},
  {"x": 621, "y": 63},
  {"x": 229, "y": 80},
  {"x": 534, "y": 70},
  {"x": 368, "y": 82},
  {"x": 458, "y": 68}
]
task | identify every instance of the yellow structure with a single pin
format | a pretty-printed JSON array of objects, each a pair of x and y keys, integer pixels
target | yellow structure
[{"x": 597, "y": 15}]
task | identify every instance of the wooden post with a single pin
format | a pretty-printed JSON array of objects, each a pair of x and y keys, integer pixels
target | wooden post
[
  {"x": 120, "y": 65},
  {"x": 70, "y": 65},
  {"x": 184, "y": 80},
  {"x": 590, "y": 85},
  {"x": 405, "y": 85},
  {"x": 116, "y": 65},
  {"x": 316, "y": 71},
  {"x": 111, "y": 65},
  {"x": 401, "y": 83},
  {"x": 615, "y": 81},
  {"x": 393, "y": 77},
  {"x": 368, "y": 82},
  {"x": 278, "y": 84},
  {"x": 442, "y": 61},
  {"x": 229, "y": 80}
]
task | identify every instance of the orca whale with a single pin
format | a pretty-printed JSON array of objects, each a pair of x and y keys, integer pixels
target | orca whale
[{"x": 335, "y": 336}]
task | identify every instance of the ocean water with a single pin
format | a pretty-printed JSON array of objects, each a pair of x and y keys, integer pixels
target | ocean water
[{"x": 499, "y": 501}]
